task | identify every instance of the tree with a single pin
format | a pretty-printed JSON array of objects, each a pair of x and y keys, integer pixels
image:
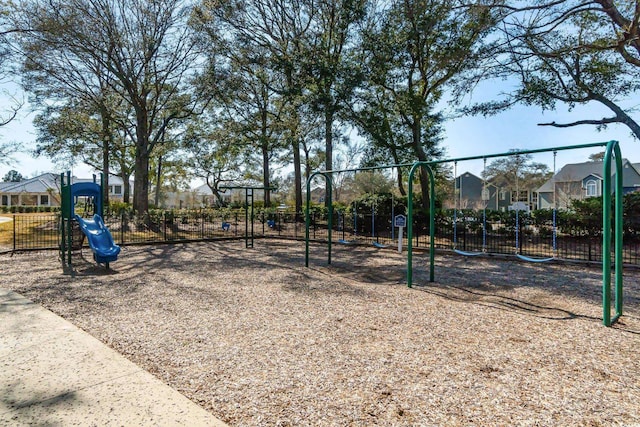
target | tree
[
  {"x": 575, "y": 53},
  {"x": 12, "y": 176},
  {"x": 146, "y": 50},
  {"x": 279, "y": 28},
  {"x": 214, "y": 155},
  {"x": 7, "y": 149},
  {"x": 330, "y": 62},
  {"x": 244, "y": 95},
  {"x": 413, "y": 51},
  {"x": 517, "y": 172}
]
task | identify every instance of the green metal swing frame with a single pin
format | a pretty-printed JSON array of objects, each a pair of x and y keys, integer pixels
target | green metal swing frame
[{"x": 612, "y": 151}]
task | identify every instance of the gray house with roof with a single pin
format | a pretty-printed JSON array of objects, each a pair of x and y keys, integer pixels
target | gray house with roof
[
  {"x": 578, "y": 181},
  {"x": 474, "y": 193}
]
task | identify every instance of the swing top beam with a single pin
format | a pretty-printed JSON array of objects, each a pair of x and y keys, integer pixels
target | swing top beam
[{"x": 484, "y": 156}]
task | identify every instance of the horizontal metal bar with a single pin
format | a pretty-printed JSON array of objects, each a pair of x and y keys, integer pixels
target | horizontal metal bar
[{"x": 484, "y": 156}]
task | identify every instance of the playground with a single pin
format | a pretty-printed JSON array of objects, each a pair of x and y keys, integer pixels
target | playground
[{"x": 258, "y": 339}]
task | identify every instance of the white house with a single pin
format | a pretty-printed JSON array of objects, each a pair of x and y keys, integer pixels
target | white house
[{"x": 44, "y": 190}]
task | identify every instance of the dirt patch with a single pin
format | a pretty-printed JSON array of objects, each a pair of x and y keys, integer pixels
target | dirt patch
[{"x": 258, "y": 339}]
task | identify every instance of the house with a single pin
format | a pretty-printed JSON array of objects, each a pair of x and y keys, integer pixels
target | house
[
  {"x": 474, "y": 193},
  {"x": 578, "y": 181},
  {"x": 116, "y": 188},
  {"x": 203, "y": 196},
  {"x": 44, "y": 190}
]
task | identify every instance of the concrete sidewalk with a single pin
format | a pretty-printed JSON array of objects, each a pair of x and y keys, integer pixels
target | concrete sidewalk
[{"x": 54, "y": 374}]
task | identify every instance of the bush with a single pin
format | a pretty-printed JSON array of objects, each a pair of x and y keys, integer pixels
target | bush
[{"x": 117, "y": 207}]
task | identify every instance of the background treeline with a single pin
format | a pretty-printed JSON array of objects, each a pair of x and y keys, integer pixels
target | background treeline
[{"x": 268, "y": 91}]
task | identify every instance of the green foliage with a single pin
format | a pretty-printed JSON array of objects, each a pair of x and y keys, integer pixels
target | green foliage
[
  {"x": 12, "y": 176},
  {"x": 117, "y": 207},
  {"x": 587, "y": 216},
  {"x": 517, "y": 170}
]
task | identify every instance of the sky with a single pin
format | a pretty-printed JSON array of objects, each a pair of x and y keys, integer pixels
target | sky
[{"x": 516, "y": 128}]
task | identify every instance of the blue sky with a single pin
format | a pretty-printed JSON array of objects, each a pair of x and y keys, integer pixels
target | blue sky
[{"x": 468, "y": 136}]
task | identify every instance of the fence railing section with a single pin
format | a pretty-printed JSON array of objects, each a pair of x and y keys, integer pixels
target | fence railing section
[{"x": 42, "y": 231}]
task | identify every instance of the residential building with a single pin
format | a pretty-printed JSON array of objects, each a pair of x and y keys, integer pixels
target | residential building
[
  {"x": 474, "y": 193},
  {"x": 578, "y": 181},
  {"x": 44, "y": 190}
]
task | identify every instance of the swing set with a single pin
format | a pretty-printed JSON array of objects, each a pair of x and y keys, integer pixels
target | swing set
[
  {"x": 610, "y": 228},
  {"x": 457, "y": 191}
]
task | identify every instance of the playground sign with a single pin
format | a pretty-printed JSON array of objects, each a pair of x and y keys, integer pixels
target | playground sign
[{"x": 400, "y": 221}]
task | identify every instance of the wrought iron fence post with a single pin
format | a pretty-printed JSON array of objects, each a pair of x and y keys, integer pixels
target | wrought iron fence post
[{"x": 164, "y": 227}]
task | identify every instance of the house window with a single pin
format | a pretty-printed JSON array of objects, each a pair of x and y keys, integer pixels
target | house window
[
  {"x": 115, "y": 189},
  {"x": 29, "y": 200},
  {"x": 503, "y": 195},
  {"x": 44, "y": 200},
  {"x": 5, "y": 200},
  {"x": 485, "y": 194},
  {"x": 592, "y": 188}
]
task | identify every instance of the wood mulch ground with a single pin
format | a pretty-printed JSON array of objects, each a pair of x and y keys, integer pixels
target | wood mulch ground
[{"x": 258, "y": 339}]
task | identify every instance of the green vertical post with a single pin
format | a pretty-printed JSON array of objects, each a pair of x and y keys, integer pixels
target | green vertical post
[
  {"x": 70, "y": 213},
  {"x": 307, "y": 224},
  {"x": 307, "y": 215},
  {"x": 619, "y": 232},
  {"x": 329, "y": 198},
  {"x": 63, "y": 234},
  {"x": 612, "y": 149}
]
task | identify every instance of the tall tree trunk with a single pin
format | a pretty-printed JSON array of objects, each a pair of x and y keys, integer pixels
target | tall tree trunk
[
  {"x": 106, "y": 147},
  {"x": 422, "y": 156},
  {"x": 126, "y": 187},
  {"x": 328, "y": 136},
  {"x": 265, "y": 175},
  {"x": 396, "y": 160},
  {"x": 266, "y": 181},
  {"x": 401, "y": 189},
  {"x": 297, "y": 171},
  {"x": 158, "y": 182},
  {"x": 141, "y": 180}
]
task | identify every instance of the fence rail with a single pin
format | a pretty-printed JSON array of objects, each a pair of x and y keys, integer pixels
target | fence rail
[{"x": 42, "y": 231}]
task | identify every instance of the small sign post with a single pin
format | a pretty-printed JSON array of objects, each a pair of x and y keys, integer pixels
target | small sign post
[{"x": 400, "y": 221}]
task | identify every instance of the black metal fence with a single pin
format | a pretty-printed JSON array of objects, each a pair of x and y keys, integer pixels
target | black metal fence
[{"x": 468, "y": 233}]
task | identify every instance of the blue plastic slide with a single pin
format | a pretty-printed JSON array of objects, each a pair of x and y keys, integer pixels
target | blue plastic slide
[{"x": 100, "y": 239}]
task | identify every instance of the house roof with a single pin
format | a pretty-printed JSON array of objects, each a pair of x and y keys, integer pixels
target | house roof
[
  {"x": 574, "y": 172},
  {"x": 39, "y": 184},
  {"x": 469, "y": 174}
]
